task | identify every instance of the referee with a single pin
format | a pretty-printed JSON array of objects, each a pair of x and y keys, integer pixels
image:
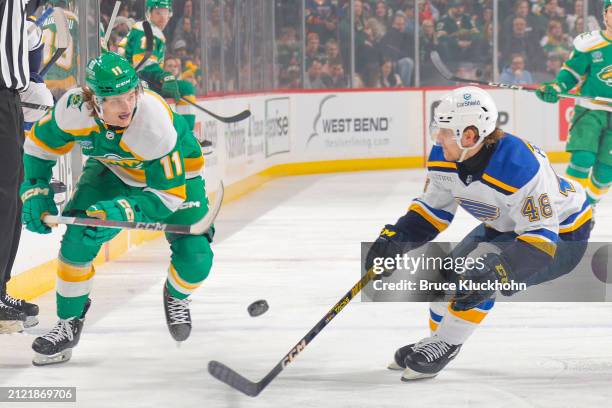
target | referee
[{"x": 14, "y": 77}]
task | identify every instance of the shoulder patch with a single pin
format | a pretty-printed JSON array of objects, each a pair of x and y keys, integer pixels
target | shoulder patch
[
  {"x": 151, "y": 134},
  {"x": 589, "y": 41},
  {"x": 72, "y": 114},
  {"x": 512, "y": 166}
]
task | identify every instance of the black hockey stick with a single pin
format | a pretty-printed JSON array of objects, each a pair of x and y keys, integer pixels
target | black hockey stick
[
  {"x": 225, "y": 119},
  {"x": 198, "y": 228},
  {"x": 446, "y": 73},
  {"x": 62, "y": 38},
  {"x": 225, "y": 374},
  {"x": 36, "y": 106},
  {"x": 146, "y": 26}
]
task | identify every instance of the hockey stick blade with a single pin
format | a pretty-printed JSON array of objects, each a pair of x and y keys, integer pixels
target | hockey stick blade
[
  {"x": 442, "y": 69},
  {"x": 225, "y": 119},
  {"x": 199, "y": 228},
  {"x": 230, "y": 377}
]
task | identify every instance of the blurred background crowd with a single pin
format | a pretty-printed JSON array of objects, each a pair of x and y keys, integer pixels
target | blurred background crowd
[{"x": 248, "y": 45}]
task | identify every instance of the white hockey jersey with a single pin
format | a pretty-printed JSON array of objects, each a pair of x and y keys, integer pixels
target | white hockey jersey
[{"x": 518, "y": 192}]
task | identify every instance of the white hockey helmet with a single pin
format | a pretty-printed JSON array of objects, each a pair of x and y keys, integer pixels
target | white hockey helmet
[{"x": 462, "y": 108}]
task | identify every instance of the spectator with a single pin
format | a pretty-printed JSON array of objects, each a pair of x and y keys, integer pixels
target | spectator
[
  {"x": 516, "y": 74},
  {"x": 554, "y": 63},
  {"x": 367, "y": 55},
  {"x": 430, "y": 42},
  {"x": 313, "y": 48},
  {"x": 314, "y": 77},
  {"x": 521, "y": 9},
  {"x": 593, "y": 24},
  {"x": 358, "y": 30},
  {"x": 336, "y": 78},
  {"x": 184, "y": 31},
  {"x": 381, "y": 16},
  {"x": 332, "y": 54},
  {"x": 556, "y": 41},
  {"x": 522, "y": 42},
  {"x": 388, "y": 77},
  {"x": 397, "y": 46},
  {"x": 321, "y": 18},
  {"x": 463, "y": 47},
  {"x": 454, "y": 20},
  {"x": 551, "y": 11},
  {"x": 179, "y": 48}
]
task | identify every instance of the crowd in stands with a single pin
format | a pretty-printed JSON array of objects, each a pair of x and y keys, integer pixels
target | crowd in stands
[{"x": 534, "y": 38}]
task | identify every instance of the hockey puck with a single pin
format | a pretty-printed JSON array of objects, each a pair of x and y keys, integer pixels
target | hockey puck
[
  {"x": 258, "y": 308},
  {"x": 602, "y": 267}
]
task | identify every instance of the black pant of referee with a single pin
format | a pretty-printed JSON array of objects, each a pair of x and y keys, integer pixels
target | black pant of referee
[{"x": 11, "y": 176}]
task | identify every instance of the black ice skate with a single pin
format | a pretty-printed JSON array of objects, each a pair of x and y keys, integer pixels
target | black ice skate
[
  {"x": 178, "y": 317},
  {"x": 30, "y": 309},
  {"x": 398, "y": 358},
  {"x": 428, "y": 357},
  {"x": 56, "y": 346},
  {"x": 11, "y": 319}
]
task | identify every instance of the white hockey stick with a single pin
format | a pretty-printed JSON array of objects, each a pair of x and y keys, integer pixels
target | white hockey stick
[
  {"x": 111, "y": 24},
  {"x": 199, "y": 228}
]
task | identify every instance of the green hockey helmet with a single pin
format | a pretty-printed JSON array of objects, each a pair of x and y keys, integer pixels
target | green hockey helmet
[
  {"x": 167, "y": 4},
  {"x": 607, "y": 3},
  {"x": 110, "y": 74}
]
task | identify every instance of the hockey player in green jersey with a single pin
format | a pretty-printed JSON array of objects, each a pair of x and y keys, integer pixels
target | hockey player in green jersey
[
  {"x": 61, "y": 75},
  {"x": 163, "y": 82},
  {"x": 589, "y": 69},
  {"x": 144, "y": 165}
]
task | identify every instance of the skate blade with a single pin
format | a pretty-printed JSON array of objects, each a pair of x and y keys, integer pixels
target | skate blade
[
  {"x": 11, "y": 326},
  {"x": 394, "y": 366},
  {"x": 31, "y": 321},
  {"x": 411, "y": 375},
  {"x": 43, "y": 360}
]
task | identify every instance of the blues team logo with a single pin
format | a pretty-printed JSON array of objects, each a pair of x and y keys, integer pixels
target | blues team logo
[
  {"x": 605, "y": 75},
  {"x": 482, "y": 211}
]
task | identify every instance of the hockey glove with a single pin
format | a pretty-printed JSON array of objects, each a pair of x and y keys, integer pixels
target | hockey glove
[
  {"x": 492, "y": 268},
  {"x": 549, "y": 91},
  {"x": 170, "y": 87},
  {"x": 37, "y": 197},
  {"x": 390, "y": 242},
  {"x": 119, "y": 209}
]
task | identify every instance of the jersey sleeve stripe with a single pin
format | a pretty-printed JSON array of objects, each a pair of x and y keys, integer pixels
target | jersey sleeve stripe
[
  {"x": 498, "y": 185},
  {"x": 443, "y": 216},
  {"x": 83, "y": 132},
  {"x": 180, "y": 191},
  {"x": 59, "y": 151},
  {"x": 571, "y": 71},
  {"x": 193, "y": 164},
  {"x": 125, "y": 147},
  {"x": 598, "y": 46},
  {"x": 437, "y": 223}
]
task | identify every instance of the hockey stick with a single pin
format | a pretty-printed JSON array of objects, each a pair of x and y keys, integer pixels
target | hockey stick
[
  {"x": 36, "y": 106},
  {"x": 198, "y": 228},
  {"x": 146, "y": 26},
  {"x": 41, "y": 19},
  {"x": 446, "y": 73},
  {"x": 225, "y": 119},
  {"x": 111, "y": 25},
  {"x": 62, "y": 39},
  {"x": 225, "y": 374}
]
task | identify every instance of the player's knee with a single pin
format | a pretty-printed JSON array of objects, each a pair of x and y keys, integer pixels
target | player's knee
[
  {"x": 584, "y": 159},
  {"x": 192, "y": 257},
  {"x": 73, "y": 249}
]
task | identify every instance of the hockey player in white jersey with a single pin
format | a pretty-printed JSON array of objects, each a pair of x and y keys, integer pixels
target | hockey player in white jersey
[{"x": 535, "y": 224}]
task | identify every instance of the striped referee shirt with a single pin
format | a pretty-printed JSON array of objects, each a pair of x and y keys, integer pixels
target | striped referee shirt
[{"x": 14, "y": 65}]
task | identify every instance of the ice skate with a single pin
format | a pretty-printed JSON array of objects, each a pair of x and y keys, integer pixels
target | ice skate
[
  {"x": 178, "y": 317},
  {"x": 12, "y": 320},
  {"x": 56, "y": 346},
  {"x": 428, "y": 358},
  {"x": 30, "y": 309}
]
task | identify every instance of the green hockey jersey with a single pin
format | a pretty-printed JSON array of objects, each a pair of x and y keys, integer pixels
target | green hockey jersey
[
  {"x": 590, "y": 67},
  {"x": 157, "y": 152},
  {"x": 134, "y": 46},
  {"x": 63, "y": 74}
]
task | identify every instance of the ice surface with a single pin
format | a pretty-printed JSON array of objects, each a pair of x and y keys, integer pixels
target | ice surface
[{"x": 296, "y": 242}]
